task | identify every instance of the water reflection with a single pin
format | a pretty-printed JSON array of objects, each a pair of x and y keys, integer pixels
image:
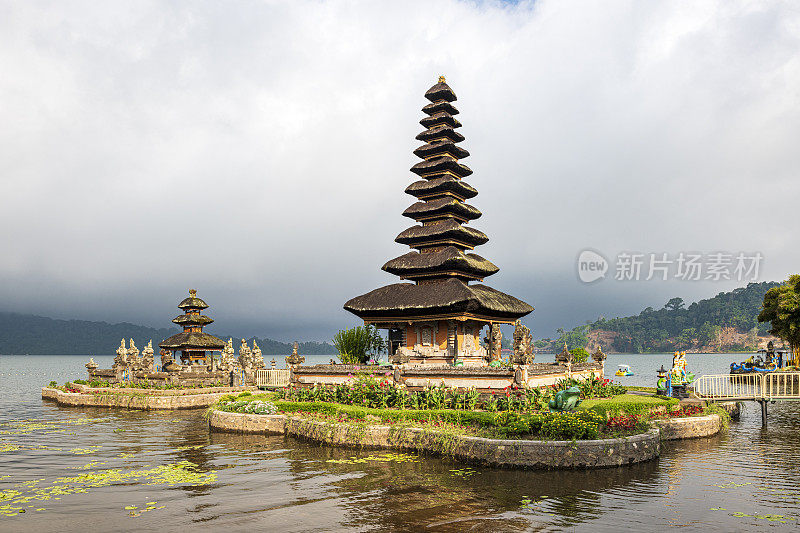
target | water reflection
[{"x": 745, "y": 479}]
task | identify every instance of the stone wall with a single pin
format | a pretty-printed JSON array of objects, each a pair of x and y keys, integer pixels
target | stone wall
[
  {"x": 140, "y": 398},
  {"x": 690, "y": 427},
  {"x": 179, "y": 378},
  {"x": 485, "y": 379},
  {"x": 494, "y": 452}
]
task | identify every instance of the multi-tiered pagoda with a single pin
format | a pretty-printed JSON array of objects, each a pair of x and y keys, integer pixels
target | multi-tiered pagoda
[
  {"x": 192, "y": 342},
  {"x": 438, "y": 318}
]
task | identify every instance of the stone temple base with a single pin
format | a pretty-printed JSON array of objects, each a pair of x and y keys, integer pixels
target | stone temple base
[
  {"x": 421, "y": 355},
  {"x": 484, "y": 379}
]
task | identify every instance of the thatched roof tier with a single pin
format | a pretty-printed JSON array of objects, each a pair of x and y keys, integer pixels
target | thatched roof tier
[
  {"x": 441, "y": 147},
  {"x": 447, "y": 107},
  {"x": 443, "y": 132},
  {"x": 192, "y": 302},
  {"x": 442, "y": 268},
  {"x": 448, "y": 261},
  {"x": 192, "y": 320},
  {"x": 433, "y": 168},
  {"x": 447, "y": 232},
  {"x": 191, "y": 340},
  {"x": 441, "y": 91},
  {"x": 442, "y": 208},
  {"x": 440, "y": 187},
  {"x": 449, "y": 298},
  {"x": 440, "y": 119}
]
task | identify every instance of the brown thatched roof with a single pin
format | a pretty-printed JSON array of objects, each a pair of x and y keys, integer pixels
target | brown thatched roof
[
  {"x": 192, "y": 303},
  {"x": 192, "y": 320},
  {"x": 442, "y": 207},
  {"x": 441, "y": 91},
  {"x": 443, "y": 298},
  {"x": 429, "y": 188},
  {"x": 441, "y": 147},
  {"x": 438, "y": 133},
  {"x": 447, "y": 107},
  {"x": 440, "y": 119},
  {"x": 192, "y": 340},
  {"x": 449, "y": 259},
  {"x": 446, "y": 232},
  {"x": 440, "y": 165}
]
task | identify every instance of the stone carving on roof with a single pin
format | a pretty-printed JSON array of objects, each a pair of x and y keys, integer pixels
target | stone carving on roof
[
  {"x": 295, "y": 359},
  {"x": 565, "y": 357},
  {"x": 598, "y": 355}
]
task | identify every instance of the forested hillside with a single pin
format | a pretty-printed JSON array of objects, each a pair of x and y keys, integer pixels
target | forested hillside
[
  {"x": 726, "y": 322},
  {"x": 28, "y": 334}
]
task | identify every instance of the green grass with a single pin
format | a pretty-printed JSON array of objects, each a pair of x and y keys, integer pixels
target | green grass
[
  {"x": 453, "y": 416},
  {"x": 628, "y": 403},
  {"x": 651, "y": 390}
]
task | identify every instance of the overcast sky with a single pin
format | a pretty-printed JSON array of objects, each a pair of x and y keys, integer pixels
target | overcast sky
[{"x": 258, "y": 151}]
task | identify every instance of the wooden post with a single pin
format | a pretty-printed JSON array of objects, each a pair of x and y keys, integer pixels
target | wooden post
[{"x": 763, "y": 413}]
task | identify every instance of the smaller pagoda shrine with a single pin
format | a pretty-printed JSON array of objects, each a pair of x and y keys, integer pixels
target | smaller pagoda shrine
[{"x": 194, "y": 345}]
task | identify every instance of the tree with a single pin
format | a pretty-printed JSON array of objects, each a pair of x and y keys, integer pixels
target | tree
[
  {"x": 781, "y": 308},
  {"x": 674, "y": 304},
  {"x": 579, "y": 355},
  {"x": 356, "y": 345},
  {"x": 576, "y": 337},
  {"x": 708, "y": 334}
]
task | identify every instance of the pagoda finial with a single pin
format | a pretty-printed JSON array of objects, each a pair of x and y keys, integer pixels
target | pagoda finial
[
  {"x": 193, "y": 293},
  {"x": 441, "y": 79}
]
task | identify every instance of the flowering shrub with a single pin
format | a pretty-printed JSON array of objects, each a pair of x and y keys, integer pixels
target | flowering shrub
[
  {"x": 623, "y": 422},
  {"x": 248, "y": 405},
  {"x": 379, "y": 391},
  {"x": 687, "y": 410},
  {"x": 569, "y": 426},
  {"x": 593, "y": 387}
]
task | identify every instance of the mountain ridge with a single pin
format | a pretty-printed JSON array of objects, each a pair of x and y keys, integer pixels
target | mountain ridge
[{"x": 24, "y": 334}]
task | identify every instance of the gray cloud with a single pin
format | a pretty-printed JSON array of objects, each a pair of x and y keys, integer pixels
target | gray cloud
[{"x": 259, "y": 152}]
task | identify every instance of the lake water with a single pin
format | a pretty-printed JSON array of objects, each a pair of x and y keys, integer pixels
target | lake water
[{"x": 83, "y": 466}]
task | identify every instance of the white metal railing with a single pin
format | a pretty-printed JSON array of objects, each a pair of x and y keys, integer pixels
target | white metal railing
[
  {"x": 753, "y": 386},
  {"x": 782, "y": 385},
  {"x": 272, "y": 377},
  {"x": 729, "y": 386}
]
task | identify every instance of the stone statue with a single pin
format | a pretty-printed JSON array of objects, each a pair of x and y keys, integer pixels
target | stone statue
[
  {"x": 133, "y": 352},
  {"x": 245, "y": 357},
  {"x": 523, "y": 344},
  {"x": 146, "y": 363},
  {"x": 258, "y": 359},
  {"x": 295, "y": 359},
  {"x": 227, "y": 360},
  {"x": 121, "y": 360},
  {"x": 565, "y": 400},
  {"x": 494, "y": 342},
  {"x": 770, "y": 353},
  {"x": 565, "y": 357}
]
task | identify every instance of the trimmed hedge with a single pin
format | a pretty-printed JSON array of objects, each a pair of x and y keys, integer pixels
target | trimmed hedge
[
  {"x": 627, "y": 403},
  {"x": 557, "y": 426}
]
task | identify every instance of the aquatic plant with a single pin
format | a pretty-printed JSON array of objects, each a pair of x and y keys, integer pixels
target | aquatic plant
[{"x": 12, "y": 501}]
